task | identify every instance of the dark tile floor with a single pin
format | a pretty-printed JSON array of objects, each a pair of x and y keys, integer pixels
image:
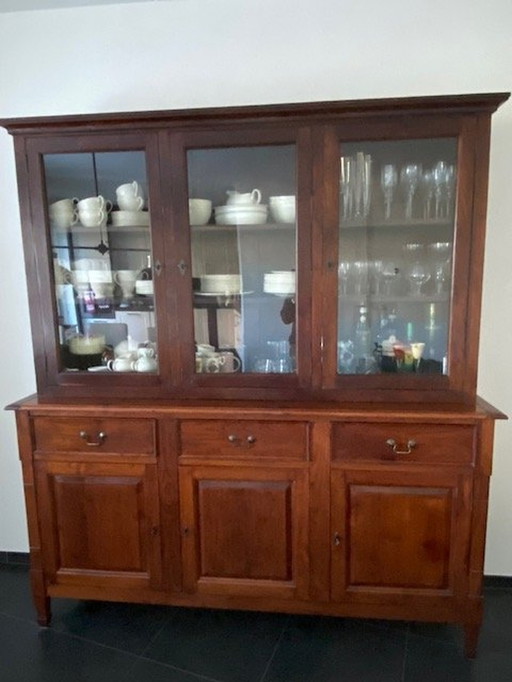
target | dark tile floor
[{"x": 103, "y": 642}]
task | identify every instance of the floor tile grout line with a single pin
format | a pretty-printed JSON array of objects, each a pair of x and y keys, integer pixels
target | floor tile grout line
[
  {"x": 274, "y": 650},
  {"x": 199, "y": 676},
  {"x": 157, "y": 634}
]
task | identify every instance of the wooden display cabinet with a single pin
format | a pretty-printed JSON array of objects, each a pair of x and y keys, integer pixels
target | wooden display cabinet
[{"x": 303, "y": 438}]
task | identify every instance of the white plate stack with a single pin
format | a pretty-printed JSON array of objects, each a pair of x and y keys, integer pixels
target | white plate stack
[
  {"x": 279, "y": 282},
  {"x": 241, "y": 214}
]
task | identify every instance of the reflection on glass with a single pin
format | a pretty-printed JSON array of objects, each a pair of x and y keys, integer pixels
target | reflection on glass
[
  {"x": 100, "y": 236},
  {"x": 395, "y": 256},
  {"x": 242, "y": 215}
]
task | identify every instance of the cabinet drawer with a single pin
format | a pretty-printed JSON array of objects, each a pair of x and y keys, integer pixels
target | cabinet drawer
[
  {"x": 437, "y": 443},
  {"x": 91, "y": 434},
  {"x": 239, "y": 438}
]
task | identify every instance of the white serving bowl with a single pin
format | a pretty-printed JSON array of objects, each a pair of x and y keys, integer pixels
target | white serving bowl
[
  {"x": 241, "y": 214},
  {"x": 283, "y": 208},
  {"x": 125, "y": 218},
  {"x": 199, "y": 211}
]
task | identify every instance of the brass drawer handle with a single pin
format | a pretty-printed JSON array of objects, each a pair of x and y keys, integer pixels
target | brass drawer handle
[
  {"x": 251, "y": 439},
  {"x": 233, "y": 438},
  {"x": 391, "y": 442},
  {"x": 93, "y": 443}
]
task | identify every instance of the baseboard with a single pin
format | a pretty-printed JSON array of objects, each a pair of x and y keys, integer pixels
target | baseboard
[{"x": 23, "y": 558}]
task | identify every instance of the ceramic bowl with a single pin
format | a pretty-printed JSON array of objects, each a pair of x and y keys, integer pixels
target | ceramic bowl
[{"x": 199, "y": 211}]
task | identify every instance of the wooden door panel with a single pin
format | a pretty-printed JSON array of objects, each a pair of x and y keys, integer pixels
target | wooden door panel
[
  {"x": 239, "y": 538},
  {"x": 400, "y": 536},
  {"x": 245, "y": 530},
  {"x": 100, "y": 523},
  {"x": 399, "y": 533}
]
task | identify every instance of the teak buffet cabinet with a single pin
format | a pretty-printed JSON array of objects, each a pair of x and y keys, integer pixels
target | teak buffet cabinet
[{"x": 190, "y": 443}]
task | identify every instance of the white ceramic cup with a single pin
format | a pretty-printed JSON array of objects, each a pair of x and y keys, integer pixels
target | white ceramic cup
[
  {"x": 64, "y": 219},
  {"x": 144, "y": 364},
  {"x": 130, "y": 196},
  {"x": 63, "y": 205},
  {"x": 199, "y": 211},
  {"x": 92, "y": 217},
  {"x": 231, "y": 363},
  {"x": 129, "y": 189},
  {"x": 120, "y": 364},
  {"x": 130, "y": 203},
  {"x": 126, "y": 280},
  {"x": 97, "y": 203}
]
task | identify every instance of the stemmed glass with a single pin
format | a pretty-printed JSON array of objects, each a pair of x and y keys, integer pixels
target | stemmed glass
[
  {"x": 346, "y": 184},
  {"x": 442, "y": 275},
  {"x": 410, "y": 176},
  {"x": 444, "y": 183},
  {"x": 427, "y": 188},
  {"x": 360, "y": 270},
  {"x": 417, "y": 275},
  {"x": 343, "y": 275},
  {"x": 388, "y": 183},
  {"x": 388, "y": 273}
]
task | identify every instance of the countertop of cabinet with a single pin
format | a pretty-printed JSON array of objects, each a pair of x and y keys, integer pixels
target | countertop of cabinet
[{"x": 244, "y": 409}]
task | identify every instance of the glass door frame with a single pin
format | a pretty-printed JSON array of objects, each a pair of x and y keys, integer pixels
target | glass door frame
[
  {"x": 243, "y": 135},
  {"x": 40, "y": 274},
  {"x": 465, "y": 295}
]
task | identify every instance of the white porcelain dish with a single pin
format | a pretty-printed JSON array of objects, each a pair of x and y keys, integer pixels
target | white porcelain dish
[{"x": 241, "y": 214}]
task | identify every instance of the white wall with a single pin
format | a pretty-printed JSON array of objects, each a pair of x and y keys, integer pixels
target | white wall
[{"x": 194, "y": 53}]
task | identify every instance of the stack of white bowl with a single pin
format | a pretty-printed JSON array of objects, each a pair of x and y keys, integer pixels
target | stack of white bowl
[
  {"x": 242, "y": 208},
  {"x": 223, "y": 284},
  {"x": 279, "y": 282},
  {"x": 130, "y": 200},
  {"x": 250, "y": 214},
  {"x": 283, "y": 208}
]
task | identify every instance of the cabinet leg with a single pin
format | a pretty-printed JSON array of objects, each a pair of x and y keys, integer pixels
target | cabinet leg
[
  {"x": 471, "y": 632},
  {"x": 41, "y": 600}
]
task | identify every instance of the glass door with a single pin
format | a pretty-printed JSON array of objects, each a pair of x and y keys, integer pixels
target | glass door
[
  {"x": 396, "y": 254},
  {"x": 396, "y": 236},
  {"x": 97, "y": 205},
  {"x": 243, "y": 217}
]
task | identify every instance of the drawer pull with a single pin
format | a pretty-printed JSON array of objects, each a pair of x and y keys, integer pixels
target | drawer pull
[
  {"x": 251, "y": 439},
  {"x": 337, "y": 539},
  {"x": 391, "y": 442},
  {"x": 233, "y": 438},
  {"x": 93, "y": 443}
]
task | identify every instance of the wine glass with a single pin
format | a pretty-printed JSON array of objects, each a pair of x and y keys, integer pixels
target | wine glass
[
  {"x": 388, "y": 273},
  {"x": 410, "y": 176},
  {"x": 427, "y": 189},
  {"x": 417, "y": 275},
  {"x": 444, "y": 180},
  {"x": 346, "y": 185},
  {"x": 360, "y": 275},
  {"x": 343, "y": 275},
  {"x": 388, "y": 183},
  {"x": 442, "y": 275}
]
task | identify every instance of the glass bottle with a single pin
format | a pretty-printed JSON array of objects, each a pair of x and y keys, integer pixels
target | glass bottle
[{"x": 363, "y": 347}]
